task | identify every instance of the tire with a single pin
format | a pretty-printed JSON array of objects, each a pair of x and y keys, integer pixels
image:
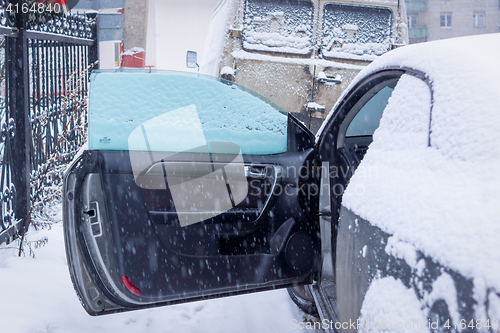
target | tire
[{"x": 303, "y": 299}]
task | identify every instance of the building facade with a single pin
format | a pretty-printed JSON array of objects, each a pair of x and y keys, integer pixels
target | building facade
[
  {"x": 438, "y": 19},
  {"x": 110, "y": 29}
]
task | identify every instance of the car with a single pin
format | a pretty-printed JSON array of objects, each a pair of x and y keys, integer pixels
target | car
[{"x": 193, "y": 187}]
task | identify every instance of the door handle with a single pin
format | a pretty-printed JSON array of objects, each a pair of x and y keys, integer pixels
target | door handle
[
  {"x": 94, "y": 219},
  {"x": 250, "y": 174},
  {"x": 256, "y": 175}
]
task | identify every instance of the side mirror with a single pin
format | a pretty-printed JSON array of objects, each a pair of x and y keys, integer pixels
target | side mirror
[{"x": 192, "y": 59}]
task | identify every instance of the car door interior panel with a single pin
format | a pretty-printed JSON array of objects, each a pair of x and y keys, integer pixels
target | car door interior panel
[
  {"x": 146, "y": 227},
  {"x": 151, "y": 249}
]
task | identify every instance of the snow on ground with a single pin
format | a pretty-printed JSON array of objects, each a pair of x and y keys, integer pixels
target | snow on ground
[{"x": 37, "y": 296}]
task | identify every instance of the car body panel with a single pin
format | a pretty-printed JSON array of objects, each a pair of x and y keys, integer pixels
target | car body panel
[{"x": 441, "y": 262}]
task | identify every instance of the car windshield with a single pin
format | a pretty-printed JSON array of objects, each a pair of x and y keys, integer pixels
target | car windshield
[{"x": 176, "y": 112}]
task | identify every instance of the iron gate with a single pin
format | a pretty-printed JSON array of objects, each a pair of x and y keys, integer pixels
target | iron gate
[{"x": 45, "y": 64}]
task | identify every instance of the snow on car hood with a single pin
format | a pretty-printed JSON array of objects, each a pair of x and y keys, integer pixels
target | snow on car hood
[{"x": 443, "y": 199}]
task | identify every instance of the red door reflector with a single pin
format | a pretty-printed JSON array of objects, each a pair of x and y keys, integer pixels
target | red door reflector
[{"x": 130, "y": 286}]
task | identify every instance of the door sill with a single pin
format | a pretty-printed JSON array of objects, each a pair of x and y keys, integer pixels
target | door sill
[{"x": 325, "y": 298}]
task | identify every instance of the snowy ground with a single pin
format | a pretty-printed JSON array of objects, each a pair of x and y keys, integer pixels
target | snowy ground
[{"x": 37, "y": 296}]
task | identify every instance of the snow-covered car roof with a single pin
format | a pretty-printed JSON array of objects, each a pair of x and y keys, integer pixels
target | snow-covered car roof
[
  {"x": 465, "y": 64},
  {"x": 442, "y": 199}
]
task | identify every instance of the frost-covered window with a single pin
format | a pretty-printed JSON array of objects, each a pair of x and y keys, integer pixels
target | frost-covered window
[
  {"x": 283, "y": 26},
  {"x": 479, "y": 19},
  {"x": 355, "y": 32},
  {"x": 175, "y": 112},
  {"x": 445, "y": 20}
]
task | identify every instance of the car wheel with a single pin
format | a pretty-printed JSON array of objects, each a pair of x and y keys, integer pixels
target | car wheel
[{"x": 303, "y": 299}]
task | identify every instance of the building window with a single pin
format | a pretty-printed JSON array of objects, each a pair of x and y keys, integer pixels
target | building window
[
  {"x": 412, "y": 21},
  {"x": 479, "y": 19},
  {"x": 445, "y": 20}
]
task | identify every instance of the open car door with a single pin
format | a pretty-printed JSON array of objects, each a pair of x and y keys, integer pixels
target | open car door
[{"x": 190, "y": 187}]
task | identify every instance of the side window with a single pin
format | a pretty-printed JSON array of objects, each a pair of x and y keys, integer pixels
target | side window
[
  {"x": 368, "y": 118},
  {"x": 355, "y": 32},
  {"x": 405, "y": 122},
  {"x": 175, "y": 112},
  {"x": 363, "y": 118},
  {"x": 384, "y": 114},
  {"x": 278, "y": 26},
  {"x": 371, "y": 121}
]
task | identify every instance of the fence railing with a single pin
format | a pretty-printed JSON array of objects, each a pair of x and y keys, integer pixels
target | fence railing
[{"x": 43, "y": 78}]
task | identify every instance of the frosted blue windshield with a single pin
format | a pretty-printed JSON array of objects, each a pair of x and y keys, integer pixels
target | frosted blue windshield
[{"x": 177, "y": 112}]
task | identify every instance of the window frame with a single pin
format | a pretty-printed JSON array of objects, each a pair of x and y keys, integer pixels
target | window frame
[
  {"x": 412, "y": 18},
  {"x": 479, "y": 17},
  {"x": 447, "y": 20}
]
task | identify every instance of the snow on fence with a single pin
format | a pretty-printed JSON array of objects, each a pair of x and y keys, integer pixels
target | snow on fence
[{"x": 45, "y": 63}]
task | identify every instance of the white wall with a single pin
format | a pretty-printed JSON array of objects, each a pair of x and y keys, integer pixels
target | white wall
[
  {"x": 174, "y": 27},
  {"x": 108, "y": 54}
]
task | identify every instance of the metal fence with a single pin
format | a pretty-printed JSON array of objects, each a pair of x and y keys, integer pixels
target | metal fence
[{"x": 43, "y": 77}]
